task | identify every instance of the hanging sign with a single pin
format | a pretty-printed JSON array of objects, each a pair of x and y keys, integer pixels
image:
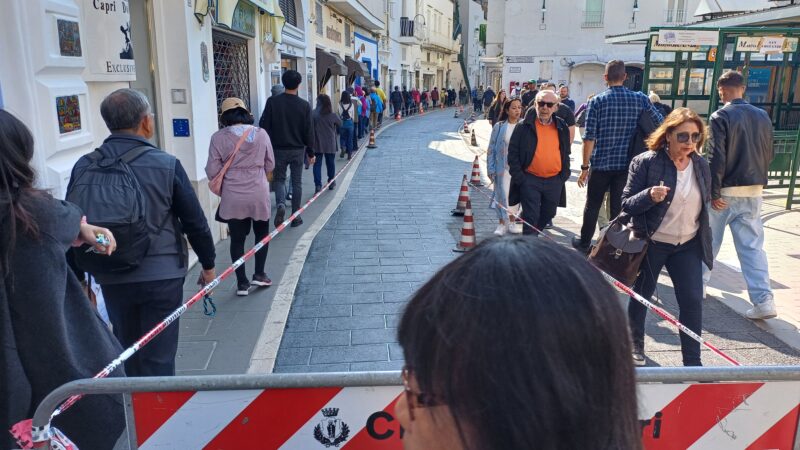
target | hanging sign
[
  {"x": 658, "y": 47},
  {"x": 688, "y": 37},
  {"x": 766, "y": 44},
  {"x": 107, "y": 38}
]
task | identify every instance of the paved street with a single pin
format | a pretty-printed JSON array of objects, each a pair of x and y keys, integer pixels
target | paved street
[{"x": 393, "y": 230}]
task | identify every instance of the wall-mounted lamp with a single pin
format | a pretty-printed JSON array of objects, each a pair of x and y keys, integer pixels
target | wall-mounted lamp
[{"x": 635, "y": 9}]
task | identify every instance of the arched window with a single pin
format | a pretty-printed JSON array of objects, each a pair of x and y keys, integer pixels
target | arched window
[{"x": 289, "y": 11}]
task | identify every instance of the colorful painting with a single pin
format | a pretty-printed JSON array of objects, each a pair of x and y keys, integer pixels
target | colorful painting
[
  {"x": 68, "y": 109},
  {"x": 69, "y": 38}
]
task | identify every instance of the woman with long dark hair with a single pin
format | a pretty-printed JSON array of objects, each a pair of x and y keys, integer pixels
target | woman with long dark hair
[
  {"x": 496, "y": 107},
  {"x": 346, "y": 112},
  {"x": 497, "y": 160},
  {"x": 666, "y": 196},
  {"x": 50, "y": 333},
  {"x": 326, "y": 124},
  {"x": 244, "y": 203},
  {"x": 532, "y": 353}
]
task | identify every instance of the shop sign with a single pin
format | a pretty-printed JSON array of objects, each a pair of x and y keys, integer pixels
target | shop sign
[
  {"x": 515, "y": 69},
  {"x": 244, "y": 19},
  {"x": 656, "y": 46},
  {"x": 107, "y": 39},
  {"x": 519, "y": 59},
  {"x": 766, "y": 44},
  {"x": 333, "y": 34},
  {"x": 688, "y": 37}
]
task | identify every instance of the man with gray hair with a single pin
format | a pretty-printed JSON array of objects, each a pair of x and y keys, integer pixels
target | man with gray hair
[
  {"x": 139, "y": 298},
  {"x": 538, "y": 160}
]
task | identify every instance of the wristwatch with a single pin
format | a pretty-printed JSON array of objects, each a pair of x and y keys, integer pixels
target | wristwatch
[{"x": 584, "y": 167}]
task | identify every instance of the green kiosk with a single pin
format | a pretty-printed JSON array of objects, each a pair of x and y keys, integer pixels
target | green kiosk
[{"x": 682, "y": 65}]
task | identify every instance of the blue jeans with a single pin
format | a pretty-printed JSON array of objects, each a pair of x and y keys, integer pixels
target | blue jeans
[
  {"x": 683, "y": 263},
  {"x": 743, "y": 214},
  {"x": 346, "y": 138},
  {"x": 330, "y": 165}
]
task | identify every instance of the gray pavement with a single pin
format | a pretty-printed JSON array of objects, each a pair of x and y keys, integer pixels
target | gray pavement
[{"x": 394, "y": 230}]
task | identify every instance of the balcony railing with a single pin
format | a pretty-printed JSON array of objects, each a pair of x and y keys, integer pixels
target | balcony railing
[
  {"x": 406, "y": 27},
  {"x": 675, "y": 16},
  {"x": 592, "y": 19}
]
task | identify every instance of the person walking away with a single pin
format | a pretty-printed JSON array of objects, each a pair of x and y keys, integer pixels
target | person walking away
[
  {"x": 142, "y": 294},
  {"x": 487, "y": 98},
  {"x": 580, "y": 115},
  {"x": 383, "y": 98},
  {"x": 496, "y": 108},
  {"x": 538, "y": 160},
  {"x": 50, "y": 332},
  {"x": 665, "y": 201},
  {"x": 476, "y": 334},
  {"x": 287, "y": 120},
  {"x": 345, "y": 124},
  {"x": 497, "y": 161},
  {"x": 406, "y": 102},
  {"x": 376, "y": 109},
  {"x": 244, "y": 200},
  {"x": 363, "y": 118},
  {"x": 435, "y": 97},
  {"x": 662, "y": 108},
  {"x": 563, "y": 92},
  {"x": 424, "y": 98},
  {"x": 741, "y": 152},
  {"x": 462, "y": 96},
  {"x": 326, "y": 123},
  {"x": 355, "y": 116},
  {"x": 610, "y": 125},
  {"x": 416, "y": 97},
  {"x": 397, "y": 101}
]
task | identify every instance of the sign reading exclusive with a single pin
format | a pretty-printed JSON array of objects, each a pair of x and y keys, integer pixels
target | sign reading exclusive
[{"x": 106, "y": 37}]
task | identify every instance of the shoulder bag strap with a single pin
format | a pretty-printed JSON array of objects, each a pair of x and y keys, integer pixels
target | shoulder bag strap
[
  {"x": 229, "y": 161},
  {"x": 134, "y": 153}
]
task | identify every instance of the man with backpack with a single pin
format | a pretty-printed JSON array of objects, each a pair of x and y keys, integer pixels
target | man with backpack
[{"x": 143, "y": 195}]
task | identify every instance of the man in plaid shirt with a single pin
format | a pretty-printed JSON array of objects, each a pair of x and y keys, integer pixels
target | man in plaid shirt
[{"x": 611, "y": 122}]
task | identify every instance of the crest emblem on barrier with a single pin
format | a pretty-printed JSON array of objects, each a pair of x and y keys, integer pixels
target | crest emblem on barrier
[{"x": 331, "y": 431}]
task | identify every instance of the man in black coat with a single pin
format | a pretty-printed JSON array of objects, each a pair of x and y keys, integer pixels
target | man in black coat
[{"x": 538, "y": 160}]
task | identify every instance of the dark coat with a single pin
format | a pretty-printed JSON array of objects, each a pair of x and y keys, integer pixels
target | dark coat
[
  {"x": 522, "y": 148},
  {"x": 644, "y": 127},
  {"x": 50, "y": 334},
  {"x": 651, "y": 168}
]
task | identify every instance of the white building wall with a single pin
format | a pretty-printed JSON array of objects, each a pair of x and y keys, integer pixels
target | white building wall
[{"x": 495, "y": 27}]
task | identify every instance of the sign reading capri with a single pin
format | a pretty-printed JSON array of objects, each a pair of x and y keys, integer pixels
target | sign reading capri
[{"x": 108, "y": 40}]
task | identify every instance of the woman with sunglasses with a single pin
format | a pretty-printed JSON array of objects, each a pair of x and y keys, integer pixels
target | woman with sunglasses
[
  {"x": 666, "y": 196},
  {"x": 497, "y": 160},
  {"x": 489, "y": 368}
]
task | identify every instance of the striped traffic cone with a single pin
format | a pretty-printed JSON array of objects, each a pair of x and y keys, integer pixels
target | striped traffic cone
[
  {"x": 455, "y": 113},
  {"x": 467, "y": 241},
  {"x": 473, "y": 142},
  {"x": 466, "y": 126},
  {"x": 463, "y": 198},
  {"x": 421, "y": 110},
  {"x": 397, "y": 116},
  {"x": 372, "y": 139},
  {"x": 475, "y": 179}
]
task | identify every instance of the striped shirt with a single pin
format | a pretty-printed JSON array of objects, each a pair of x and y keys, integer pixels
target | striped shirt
[{"x": 611, "y": 121}]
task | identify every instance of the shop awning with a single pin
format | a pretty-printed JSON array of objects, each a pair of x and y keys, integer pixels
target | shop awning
[
  {"x": 329, "y": 65},
  {"x": 355, "y": 69}
]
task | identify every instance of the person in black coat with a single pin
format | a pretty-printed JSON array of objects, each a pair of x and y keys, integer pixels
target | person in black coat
[
  {"x": 50, "y": 333},
  {"x": 662, "y": 108}
]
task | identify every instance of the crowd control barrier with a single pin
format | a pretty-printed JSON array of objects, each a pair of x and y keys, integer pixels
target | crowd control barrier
[{"x": 699, "y": 408}]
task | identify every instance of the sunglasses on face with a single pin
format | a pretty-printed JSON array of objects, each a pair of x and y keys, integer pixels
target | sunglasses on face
[
  {"x": 420, "y": 399},
  {"x": 683, "y": 137},
  {"x": 545, "y": 104}
]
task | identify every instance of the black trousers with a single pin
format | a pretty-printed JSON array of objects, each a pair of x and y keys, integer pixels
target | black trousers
[
  {"x": 599, "y": 183},
  {"x": 685, "y": 266},
  {"x": 293, "y": 159},
  {"x": 539, "y": 198},
  {"x": 135, "y": 308},
  {"x": 239, "y": 229}
]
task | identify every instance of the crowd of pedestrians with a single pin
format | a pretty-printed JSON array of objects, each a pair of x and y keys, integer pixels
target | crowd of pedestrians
[{"x": 642, "y": 168}]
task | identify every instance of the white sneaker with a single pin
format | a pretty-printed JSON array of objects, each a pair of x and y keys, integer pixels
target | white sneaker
[
  {"x": 500, "y": 230},
  {"x": 515, "y": 228},
  {"x": 762, "y": 311}
]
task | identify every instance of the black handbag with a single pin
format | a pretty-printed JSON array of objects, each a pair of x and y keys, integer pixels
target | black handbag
[{"x": 619, "y": 252}]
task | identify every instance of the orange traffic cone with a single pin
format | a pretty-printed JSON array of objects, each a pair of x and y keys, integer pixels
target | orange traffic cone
[
  {"x": 463, "y": 198},
  {"x": 473, "y": 142},
  {"x": 467, "y": 241},
  {"x": 397, "y": 116},
  {"x": 372, "y": 139},
  {"x": 421, "y": 110},
  {"x": 466, "y": 126},
  {"x": 475, "y": 179}
]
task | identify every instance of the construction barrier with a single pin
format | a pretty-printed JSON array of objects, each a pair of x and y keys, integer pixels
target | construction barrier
[{"x": 681, "y": 407}]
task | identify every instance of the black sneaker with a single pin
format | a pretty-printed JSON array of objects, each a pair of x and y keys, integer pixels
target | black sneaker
[
  {"x": 549, "y": 225},
  {"x": 333, "y": 185},
  {"x": 580, "y": 246},
  {"x": 261, "y": 280},
  {"x": 638, "y": 356},
  {"x": 297, "y": 222},
  {"x": 288, "y": 196},
  {"x": 317, "y": 188},
  {"x": 280, "y": 215},
  {"x": 243, "y": 289}
]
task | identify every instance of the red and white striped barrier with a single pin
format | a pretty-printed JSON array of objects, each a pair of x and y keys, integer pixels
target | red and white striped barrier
[{"x": 751, "y": 415}]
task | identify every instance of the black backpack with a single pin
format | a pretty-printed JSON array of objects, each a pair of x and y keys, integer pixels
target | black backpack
[
  {"x": 110, "y": 196},
  {"x": 346, "y": 112}
]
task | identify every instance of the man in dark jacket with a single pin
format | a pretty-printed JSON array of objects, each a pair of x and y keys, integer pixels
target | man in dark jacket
[
  {"x": 139, "y": 299},
  {"x": 287, "y": 120},
  {"x": 396, "y": 99},
  {"x": 741, "y": 151},
  {"x": 538, "y": 160},
  {"x": 406, "y": 101},
  {"x": 488, "y": 97}
]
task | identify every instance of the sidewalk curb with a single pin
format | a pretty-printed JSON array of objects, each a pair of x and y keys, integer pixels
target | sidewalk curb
[{"x": 265, "y": 352}]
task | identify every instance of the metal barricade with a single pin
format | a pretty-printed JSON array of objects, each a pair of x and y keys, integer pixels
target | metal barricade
[
  {"x": 701, "y": 408},
  {"x": 782, "y": 172}
]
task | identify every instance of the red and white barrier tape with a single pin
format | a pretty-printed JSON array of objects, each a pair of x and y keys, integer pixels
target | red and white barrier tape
[{"x": 627, "y": 290}]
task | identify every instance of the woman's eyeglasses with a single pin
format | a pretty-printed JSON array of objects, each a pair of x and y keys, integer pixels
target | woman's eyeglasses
[
  {"x": 413, "y": 398},
  {"x": 547, "y": 104},
  {"x": 683, "y": 137}
]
